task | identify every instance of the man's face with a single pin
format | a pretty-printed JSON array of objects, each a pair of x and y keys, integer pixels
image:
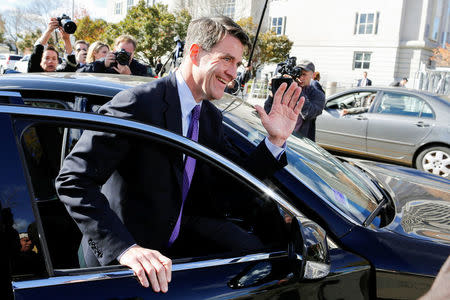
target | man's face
[
  {"x": 81, "y": 51},
  {"x": 128, "y": 47},
  {"x": 217, "y": 67},
  {"x": 49, "y": 61},
  {"x": 305, "y": 78},
  {"x": 25, "y": 244},
  {"x": 365, "y": 75}
]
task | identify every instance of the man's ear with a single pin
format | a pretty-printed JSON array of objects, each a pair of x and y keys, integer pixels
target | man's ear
[{"x": 194, "y": 52}]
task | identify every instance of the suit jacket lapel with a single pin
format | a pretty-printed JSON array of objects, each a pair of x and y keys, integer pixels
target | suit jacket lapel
[{"x": 172, "y": 114}]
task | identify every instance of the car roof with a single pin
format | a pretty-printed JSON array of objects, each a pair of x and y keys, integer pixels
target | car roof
[{"x": 85, "y": 83}]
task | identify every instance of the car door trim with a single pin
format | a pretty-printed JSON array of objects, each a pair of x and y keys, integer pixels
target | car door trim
[{"x": 177, "y": 267}]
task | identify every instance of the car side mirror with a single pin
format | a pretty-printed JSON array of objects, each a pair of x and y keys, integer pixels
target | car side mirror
[{"x": 309, "y": 249}]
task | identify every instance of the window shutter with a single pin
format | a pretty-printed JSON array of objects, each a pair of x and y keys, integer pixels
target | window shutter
[
  {"x": 284, "y": 25},
  {"x": 376, "y": 22},
  {"x": 356, "y": 24}
]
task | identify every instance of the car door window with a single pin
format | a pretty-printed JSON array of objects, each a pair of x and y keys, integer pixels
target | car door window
[
  {"x": 404, "y": 105},
  {"x": 224, "y": 198},
  {"x": 353, "y": 100}
]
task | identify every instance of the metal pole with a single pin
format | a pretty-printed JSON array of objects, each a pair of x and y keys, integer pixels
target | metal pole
[
  {"x": 73, "y": 8},
  {"x": 257, "y": 33}
]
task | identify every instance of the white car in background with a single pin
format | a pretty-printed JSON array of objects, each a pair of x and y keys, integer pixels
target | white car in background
[
  {"x": 22, "y": 65},
  {"x": 7, "y": 61}
]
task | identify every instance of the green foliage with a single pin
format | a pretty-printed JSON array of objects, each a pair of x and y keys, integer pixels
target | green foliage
[
  {"x": 270, "y": 48},
  {"x": 153, "y": 28},
  {"x": 2, "y": 30},
  {"x": 90, "y": 30},
  {"x": 27, "y": 41}
]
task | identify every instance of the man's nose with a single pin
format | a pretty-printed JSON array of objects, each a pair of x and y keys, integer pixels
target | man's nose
[{"x": 232, "y": 71}]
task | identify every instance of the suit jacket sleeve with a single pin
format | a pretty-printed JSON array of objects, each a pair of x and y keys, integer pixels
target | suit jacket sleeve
[
  {"x": 34, "y": 64},
  {"x": 89, "y": 165},
  {"x": 314, "y": 103}
]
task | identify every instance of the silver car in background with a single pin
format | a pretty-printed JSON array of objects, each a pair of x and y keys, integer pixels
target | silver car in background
[{"x": 398, "y": 125}]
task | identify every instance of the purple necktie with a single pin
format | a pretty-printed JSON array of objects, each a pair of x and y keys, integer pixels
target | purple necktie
[{"x": 189, "y": 167}]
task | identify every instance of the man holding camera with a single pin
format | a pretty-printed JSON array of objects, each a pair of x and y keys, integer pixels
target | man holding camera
[
  {"x": 314, "y": 101},
  {"x": 120, "y": 61},
  {"x": 46, "y": 59}
]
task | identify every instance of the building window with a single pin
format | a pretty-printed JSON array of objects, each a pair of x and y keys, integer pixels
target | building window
[
  {"x": 129, "y": 4},
  {"x": 118, "y": 8},
  {"x": 361, "y": 60},
  {"x": 229, "y": 8},
  {"x": 366, "y": 23},
  {"x": 277, "y": 25}
]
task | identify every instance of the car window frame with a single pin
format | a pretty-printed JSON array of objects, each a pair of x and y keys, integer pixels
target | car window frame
[{"x": 34, "y": 116}]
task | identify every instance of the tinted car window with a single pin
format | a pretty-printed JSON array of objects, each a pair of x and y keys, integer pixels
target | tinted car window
[
  {"x": 357, "y": 99},
  {"x": 405, "y": 105},
  {"x": 19, "y": 224},
  {"x": 15, "y": 57},
  {"x": 43, "y": 146}
]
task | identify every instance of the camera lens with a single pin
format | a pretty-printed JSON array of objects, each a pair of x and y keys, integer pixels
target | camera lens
[{"x": 69, "y": 26}]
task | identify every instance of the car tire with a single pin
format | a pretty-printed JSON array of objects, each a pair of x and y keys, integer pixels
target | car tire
[{"x": 435, "y": 160}]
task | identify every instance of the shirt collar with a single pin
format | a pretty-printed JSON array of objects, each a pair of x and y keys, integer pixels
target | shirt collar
[{"x": 187, "y": 101}]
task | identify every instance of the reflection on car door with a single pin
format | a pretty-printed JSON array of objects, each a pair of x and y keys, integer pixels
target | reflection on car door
[
  {"x": 347, "y": 132},
  {"x": 395, "y": 128}
]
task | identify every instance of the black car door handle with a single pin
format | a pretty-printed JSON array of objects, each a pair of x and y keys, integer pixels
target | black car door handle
[{"x": 421, "y": 124}]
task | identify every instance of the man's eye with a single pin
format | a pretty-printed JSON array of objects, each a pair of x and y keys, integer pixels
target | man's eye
[{"x": 227, "y": 59}]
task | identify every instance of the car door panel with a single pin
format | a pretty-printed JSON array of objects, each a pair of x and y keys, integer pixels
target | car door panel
[
  {"x": 342, "y": 133},
  {"x": 395, "y": 130}
]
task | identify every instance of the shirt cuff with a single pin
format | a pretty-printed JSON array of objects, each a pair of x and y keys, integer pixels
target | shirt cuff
[
  {"x": 274, "y": 149},
  {"x": 118, "y": 257}
]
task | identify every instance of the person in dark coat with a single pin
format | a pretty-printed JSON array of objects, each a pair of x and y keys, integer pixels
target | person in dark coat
[
  {"x": 46, "y": 58},
  {"x": 110, "y": 64},
  {"x": 127, "y": 197},
  {"x": 314, "y": 102}
]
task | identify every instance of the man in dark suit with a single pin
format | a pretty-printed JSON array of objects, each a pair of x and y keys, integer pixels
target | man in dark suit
[
  {"x": 364, "y": 81},
  {"x": 127, "y": 198}
]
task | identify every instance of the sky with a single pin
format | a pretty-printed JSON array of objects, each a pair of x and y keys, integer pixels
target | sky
[{"x": 96, "y": 8}]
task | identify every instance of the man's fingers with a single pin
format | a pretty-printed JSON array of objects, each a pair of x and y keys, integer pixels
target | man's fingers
[
  {"x": 160, "y": 270},
  {"x": 294, "y": 98},
  {"x": 279, "y": 94},
  {"x": 167, "y": 263},
  {"x": 299, "y": 105},
  {"x": 140, "y": 273},
  {"x": 262, "y": 113},
  {"x": 289, "y": 93}
]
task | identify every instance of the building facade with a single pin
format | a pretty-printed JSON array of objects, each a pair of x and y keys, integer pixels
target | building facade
[{"x": 389, "y": 39}]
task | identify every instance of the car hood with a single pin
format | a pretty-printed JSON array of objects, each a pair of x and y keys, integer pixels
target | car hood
[{"x": 422, "y": 201}]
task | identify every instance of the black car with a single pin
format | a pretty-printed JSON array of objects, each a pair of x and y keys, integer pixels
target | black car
[{"x": 332, "y": 228}]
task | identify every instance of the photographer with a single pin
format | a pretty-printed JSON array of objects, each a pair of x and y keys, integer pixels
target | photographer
[
  {"x": 45, "y": 58},
  {"x": 314, "y": 99},
  {"x": 119, "y": 62}
]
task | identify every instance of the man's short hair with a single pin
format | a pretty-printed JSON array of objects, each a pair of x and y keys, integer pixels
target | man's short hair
[
  {"x": 207, "y": 32},
  {"x": 125, "y": 39},
  {"x": 81, "y": 42},
  {"x": 405, "y": 79},
  {"x": 52, "y": 48}
]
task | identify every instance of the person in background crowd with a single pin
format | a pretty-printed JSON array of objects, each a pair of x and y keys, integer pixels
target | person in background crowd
[
  {"x": 364, "y": 81},
  {"x": 158, "y": 67},
  {"x": 314, "y": 102},
  {"x": 81, "y": 47},
  {"x": 400, "y": 83},
  {"x": 96, "y": 51},
  {"x": 242, "y": 78},
  {"x": 315, "y": 82},
  {"x": 46, "y": 59},
  {"x": 126, "y": 45}
]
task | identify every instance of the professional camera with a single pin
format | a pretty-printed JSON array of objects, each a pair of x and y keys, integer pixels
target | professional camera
[
  {"x": 122, "y": 57},
  {"x": 67, "y": 24},
  {"x": 288, "y": 67}
]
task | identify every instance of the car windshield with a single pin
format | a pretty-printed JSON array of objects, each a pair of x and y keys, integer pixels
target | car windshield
[{"x": 316, "y": 168}]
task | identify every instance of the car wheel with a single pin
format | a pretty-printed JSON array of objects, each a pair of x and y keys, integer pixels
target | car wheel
[{"x": 435, "y": 160}]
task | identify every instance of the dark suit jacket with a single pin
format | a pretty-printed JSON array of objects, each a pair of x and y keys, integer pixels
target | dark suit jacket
[
  {"x": 122, "y": 192},
  {"x": 369, "y": 82},
  {"x": 98, "y": 66}
]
